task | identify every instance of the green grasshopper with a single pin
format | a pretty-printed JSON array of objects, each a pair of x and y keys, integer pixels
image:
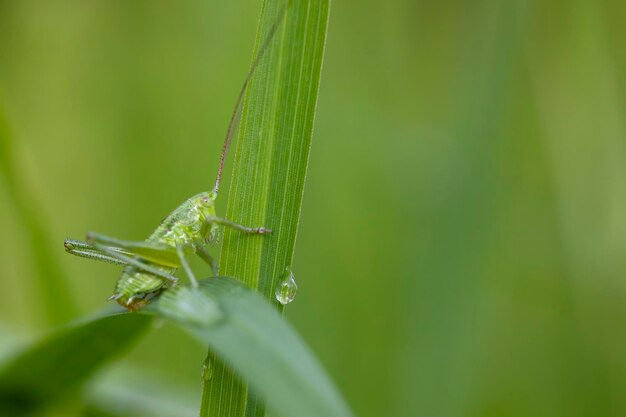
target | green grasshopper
[{"x": 149, "y": 265}]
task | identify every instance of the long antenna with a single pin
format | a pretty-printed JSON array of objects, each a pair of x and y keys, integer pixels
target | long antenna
[{"x": 233, "y": 119}]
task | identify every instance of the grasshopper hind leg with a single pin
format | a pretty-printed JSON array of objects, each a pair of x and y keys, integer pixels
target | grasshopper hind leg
[
  {"x": 85, "y": 250},
  {"x": 145, "y": 267}
]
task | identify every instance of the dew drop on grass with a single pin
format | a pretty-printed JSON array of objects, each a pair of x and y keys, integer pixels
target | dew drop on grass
[
  {"x": 287, "y": 288},
  {"x": 207, "y": 369}
]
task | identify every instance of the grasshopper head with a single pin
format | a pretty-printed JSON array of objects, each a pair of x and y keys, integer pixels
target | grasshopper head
[
  {"x": 205, "y": 205},
  {"x": 206, "y": 200}
]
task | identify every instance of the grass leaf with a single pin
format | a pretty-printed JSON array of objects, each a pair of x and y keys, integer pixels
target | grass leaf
[
  {"x": 270, "y": 165},
  {"x": 60, "y": 362},
  {"x": 273, "y": 147},
  {"x": 249, "y": 334},
  {"x": 238, "y": 324}
]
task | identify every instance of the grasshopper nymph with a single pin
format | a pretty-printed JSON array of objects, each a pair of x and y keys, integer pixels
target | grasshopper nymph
[{"x": 149, "y": 265}]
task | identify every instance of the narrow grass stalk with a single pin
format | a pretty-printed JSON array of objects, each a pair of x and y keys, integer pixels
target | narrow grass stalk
[{"x": 270, "y": 169}]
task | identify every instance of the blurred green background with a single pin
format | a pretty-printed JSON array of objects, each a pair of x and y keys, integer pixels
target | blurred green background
[{"x": 462, "y": 242}]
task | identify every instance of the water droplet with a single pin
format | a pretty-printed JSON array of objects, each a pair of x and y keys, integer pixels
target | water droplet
[
  {"x": 287, "y": 288},
  {"x": 207, "y": 369}
]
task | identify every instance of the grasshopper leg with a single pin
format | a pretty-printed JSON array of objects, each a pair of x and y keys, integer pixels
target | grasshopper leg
[
  {"x": 146, "y": 267},
  {"x": 159, "y": 254},
  {"x": 85, "y": 250},
  {"x": 246, "y": 229},
  {"x": 183, "y": 261}
]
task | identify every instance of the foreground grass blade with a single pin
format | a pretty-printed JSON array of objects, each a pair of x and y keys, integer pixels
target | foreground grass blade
[
  {"x": 270, "y": 168},
  {"x": 52, "y": 367},
  {"x": 249, "y": 334},
  {"x": 239, "y": 325}
]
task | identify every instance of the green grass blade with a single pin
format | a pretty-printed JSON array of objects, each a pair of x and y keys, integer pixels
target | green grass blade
[
  {"x": 52, "y": 289},
  {"x": 248, "y": 333},
  {"x": 58, "y": 363},
  {"x": 273, "y": 148},
  {"x": 239, "y": 325},
  {"x": 270, "y": 163}
]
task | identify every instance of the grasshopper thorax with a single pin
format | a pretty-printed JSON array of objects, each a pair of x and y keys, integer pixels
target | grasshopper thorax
[{"x": 190, "y": 223}]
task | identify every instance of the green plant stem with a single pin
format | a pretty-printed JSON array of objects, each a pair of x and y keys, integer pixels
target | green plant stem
[{"x": 270, "y": 163}]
